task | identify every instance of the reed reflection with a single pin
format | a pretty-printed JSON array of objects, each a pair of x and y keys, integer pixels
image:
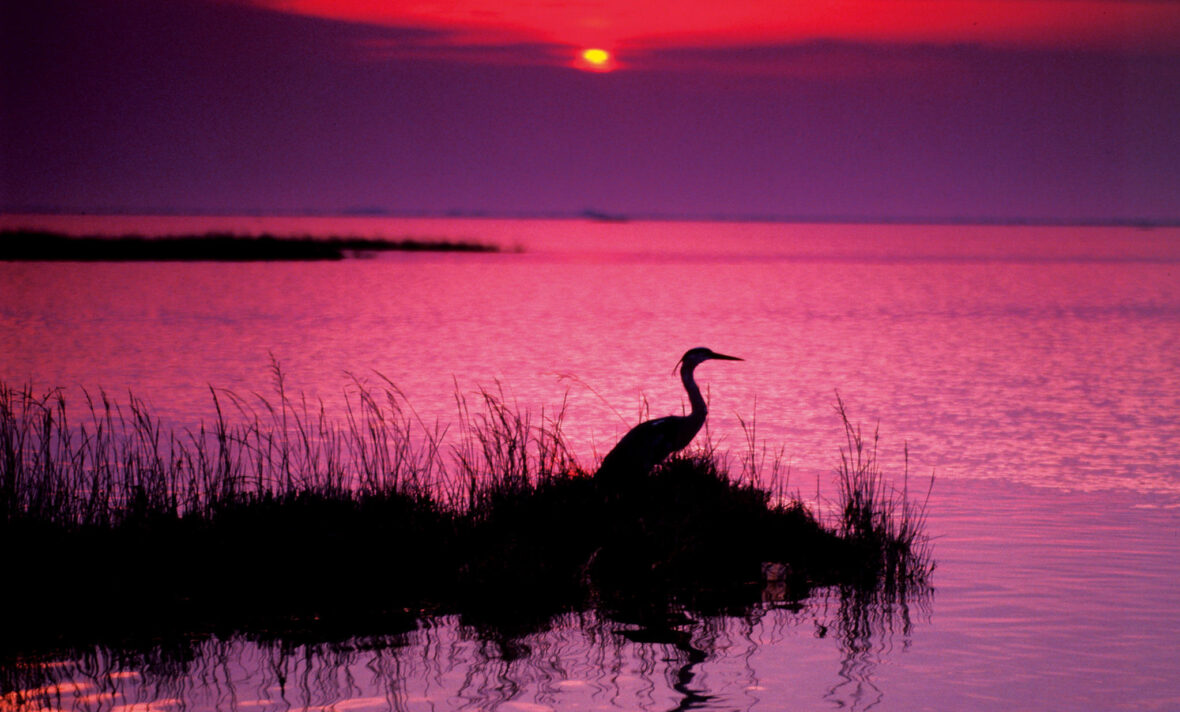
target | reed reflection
[
  {"x": 868, "y": 623},
  {"x": 644, "y": 657}
]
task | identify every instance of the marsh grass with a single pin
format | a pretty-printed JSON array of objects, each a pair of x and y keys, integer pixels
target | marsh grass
[
  {"x": 276, "y": 513},
  {"x": 881, "y": 520},
  {"x": 40, "y": 245}
]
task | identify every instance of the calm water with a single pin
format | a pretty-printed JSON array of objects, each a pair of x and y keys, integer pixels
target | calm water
[{"x": 1035, "y": 371}]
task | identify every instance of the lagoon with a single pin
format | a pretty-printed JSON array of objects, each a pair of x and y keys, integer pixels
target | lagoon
[{"x": 1033, "y": 370}]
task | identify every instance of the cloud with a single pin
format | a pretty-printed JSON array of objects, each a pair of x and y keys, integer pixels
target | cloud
[
  {"x": 817, "y": 59},
  {"x": 445, "y": 48},
  {"x": 624, "y": 25}
]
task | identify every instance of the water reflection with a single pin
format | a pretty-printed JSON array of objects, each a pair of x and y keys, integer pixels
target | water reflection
[
  {"x": 868, "y": 624},
  {"x": 648, "y": 657}
]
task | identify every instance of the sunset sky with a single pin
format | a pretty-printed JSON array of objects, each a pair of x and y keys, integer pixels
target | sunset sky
[{"x": 924, "y": 109}]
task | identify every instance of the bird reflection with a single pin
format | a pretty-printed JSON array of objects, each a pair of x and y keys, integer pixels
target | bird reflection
[
  {"x": 676, "y": 634},
  {"x": 646, "y": 657}
]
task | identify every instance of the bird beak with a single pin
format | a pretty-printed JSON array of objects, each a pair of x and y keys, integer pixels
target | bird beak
[{"x": 712, "y": 355}]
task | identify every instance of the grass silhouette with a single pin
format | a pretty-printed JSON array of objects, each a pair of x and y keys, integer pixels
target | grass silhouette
[
  {"x": 35, "y": 245},
  {"x": 277, "y": 516}
]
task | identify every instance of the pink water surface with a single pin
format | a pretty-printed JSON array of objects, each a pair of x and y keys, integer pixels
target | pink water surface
[{"x": 1034, "y": 371}]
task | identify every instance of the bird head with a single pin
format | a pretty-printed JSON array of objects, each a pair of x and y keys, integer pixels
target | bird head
[{"x": 693, "y": 357}]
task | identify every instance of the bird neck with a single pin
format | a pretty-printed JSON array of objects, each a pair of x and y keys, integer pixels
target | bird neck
[{"x": 694, "y": 393}]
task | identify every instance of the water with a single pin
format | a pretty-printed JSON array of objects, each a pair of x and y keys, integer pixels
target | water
[{"x": 1035, "y": 371}]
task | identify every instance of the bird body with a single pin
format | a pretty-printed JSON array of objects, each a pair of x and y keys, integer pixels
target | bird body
[{"x": 652, "y": 441}]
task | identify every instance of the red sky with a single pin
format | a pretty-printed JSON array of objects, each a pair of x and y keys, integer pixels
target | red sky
[
  {"x": 936, "y": 109},
  {"x": 641, "y": 25}
]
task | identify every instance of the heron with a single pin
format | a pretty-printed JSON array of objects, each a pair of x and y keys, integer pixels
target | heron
[{"x": 649, "y": 443}]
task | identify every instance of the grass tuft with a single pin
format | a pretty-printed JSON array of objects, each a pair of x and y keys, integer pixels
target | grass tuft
[
  {"x": 276, "y": 513},
  {"x": 46, "y": 246},
  {"x": 882, "y": 522}
]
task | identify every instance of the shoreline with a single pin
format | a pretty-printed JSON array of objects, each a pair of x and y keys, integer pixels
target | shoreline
[
  {"x": 50, "y": 246},
  {"x": 611, "y": 216}
]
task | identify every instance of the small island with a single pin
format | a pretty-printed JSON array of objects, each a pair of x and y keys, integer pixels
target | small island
[
  {"x": 45, "y": 246},
  {"x": 381, "y": 521}
]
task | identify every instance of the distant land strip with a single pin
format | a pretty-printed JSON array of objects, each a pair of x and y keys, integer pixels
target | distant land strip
[{"x": 38, "y": 246}]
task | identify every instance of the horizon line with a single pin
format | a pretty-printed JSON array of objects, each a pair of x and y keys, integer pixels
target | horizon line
[{"x": 613, "y": 217}]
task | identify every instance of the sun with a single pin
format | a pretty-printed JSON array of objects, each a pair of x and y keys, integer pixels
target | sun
[
  {"x": 596, "y": 56},
  {"x": 596, "y": 59}
]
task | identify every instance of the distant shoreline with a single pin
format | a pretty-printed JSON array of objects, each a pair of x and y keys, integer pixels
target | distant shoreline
[
  {"x": 593, "y": 215},
  {"x": 48, "y": 246}
]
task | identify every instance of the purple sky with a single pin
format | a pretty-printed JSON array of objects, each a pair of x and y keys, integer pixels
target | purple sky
[{"x": 203, "y": 106}]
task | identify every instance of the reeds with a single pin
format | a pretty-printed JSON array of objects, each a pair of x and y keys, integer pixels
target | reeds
[
  {"x": 379, "y": 512},
  {"x": 118, "y": 461},
  {"x": 40, "y": 245},
  {"x": 501, "y": 453},
  {"x": 877, "y": 517}
]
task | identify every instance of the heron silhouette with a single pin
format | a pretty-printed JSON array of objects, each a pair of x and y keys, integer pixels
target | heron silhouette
[{"x": 649, "y": 443}]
